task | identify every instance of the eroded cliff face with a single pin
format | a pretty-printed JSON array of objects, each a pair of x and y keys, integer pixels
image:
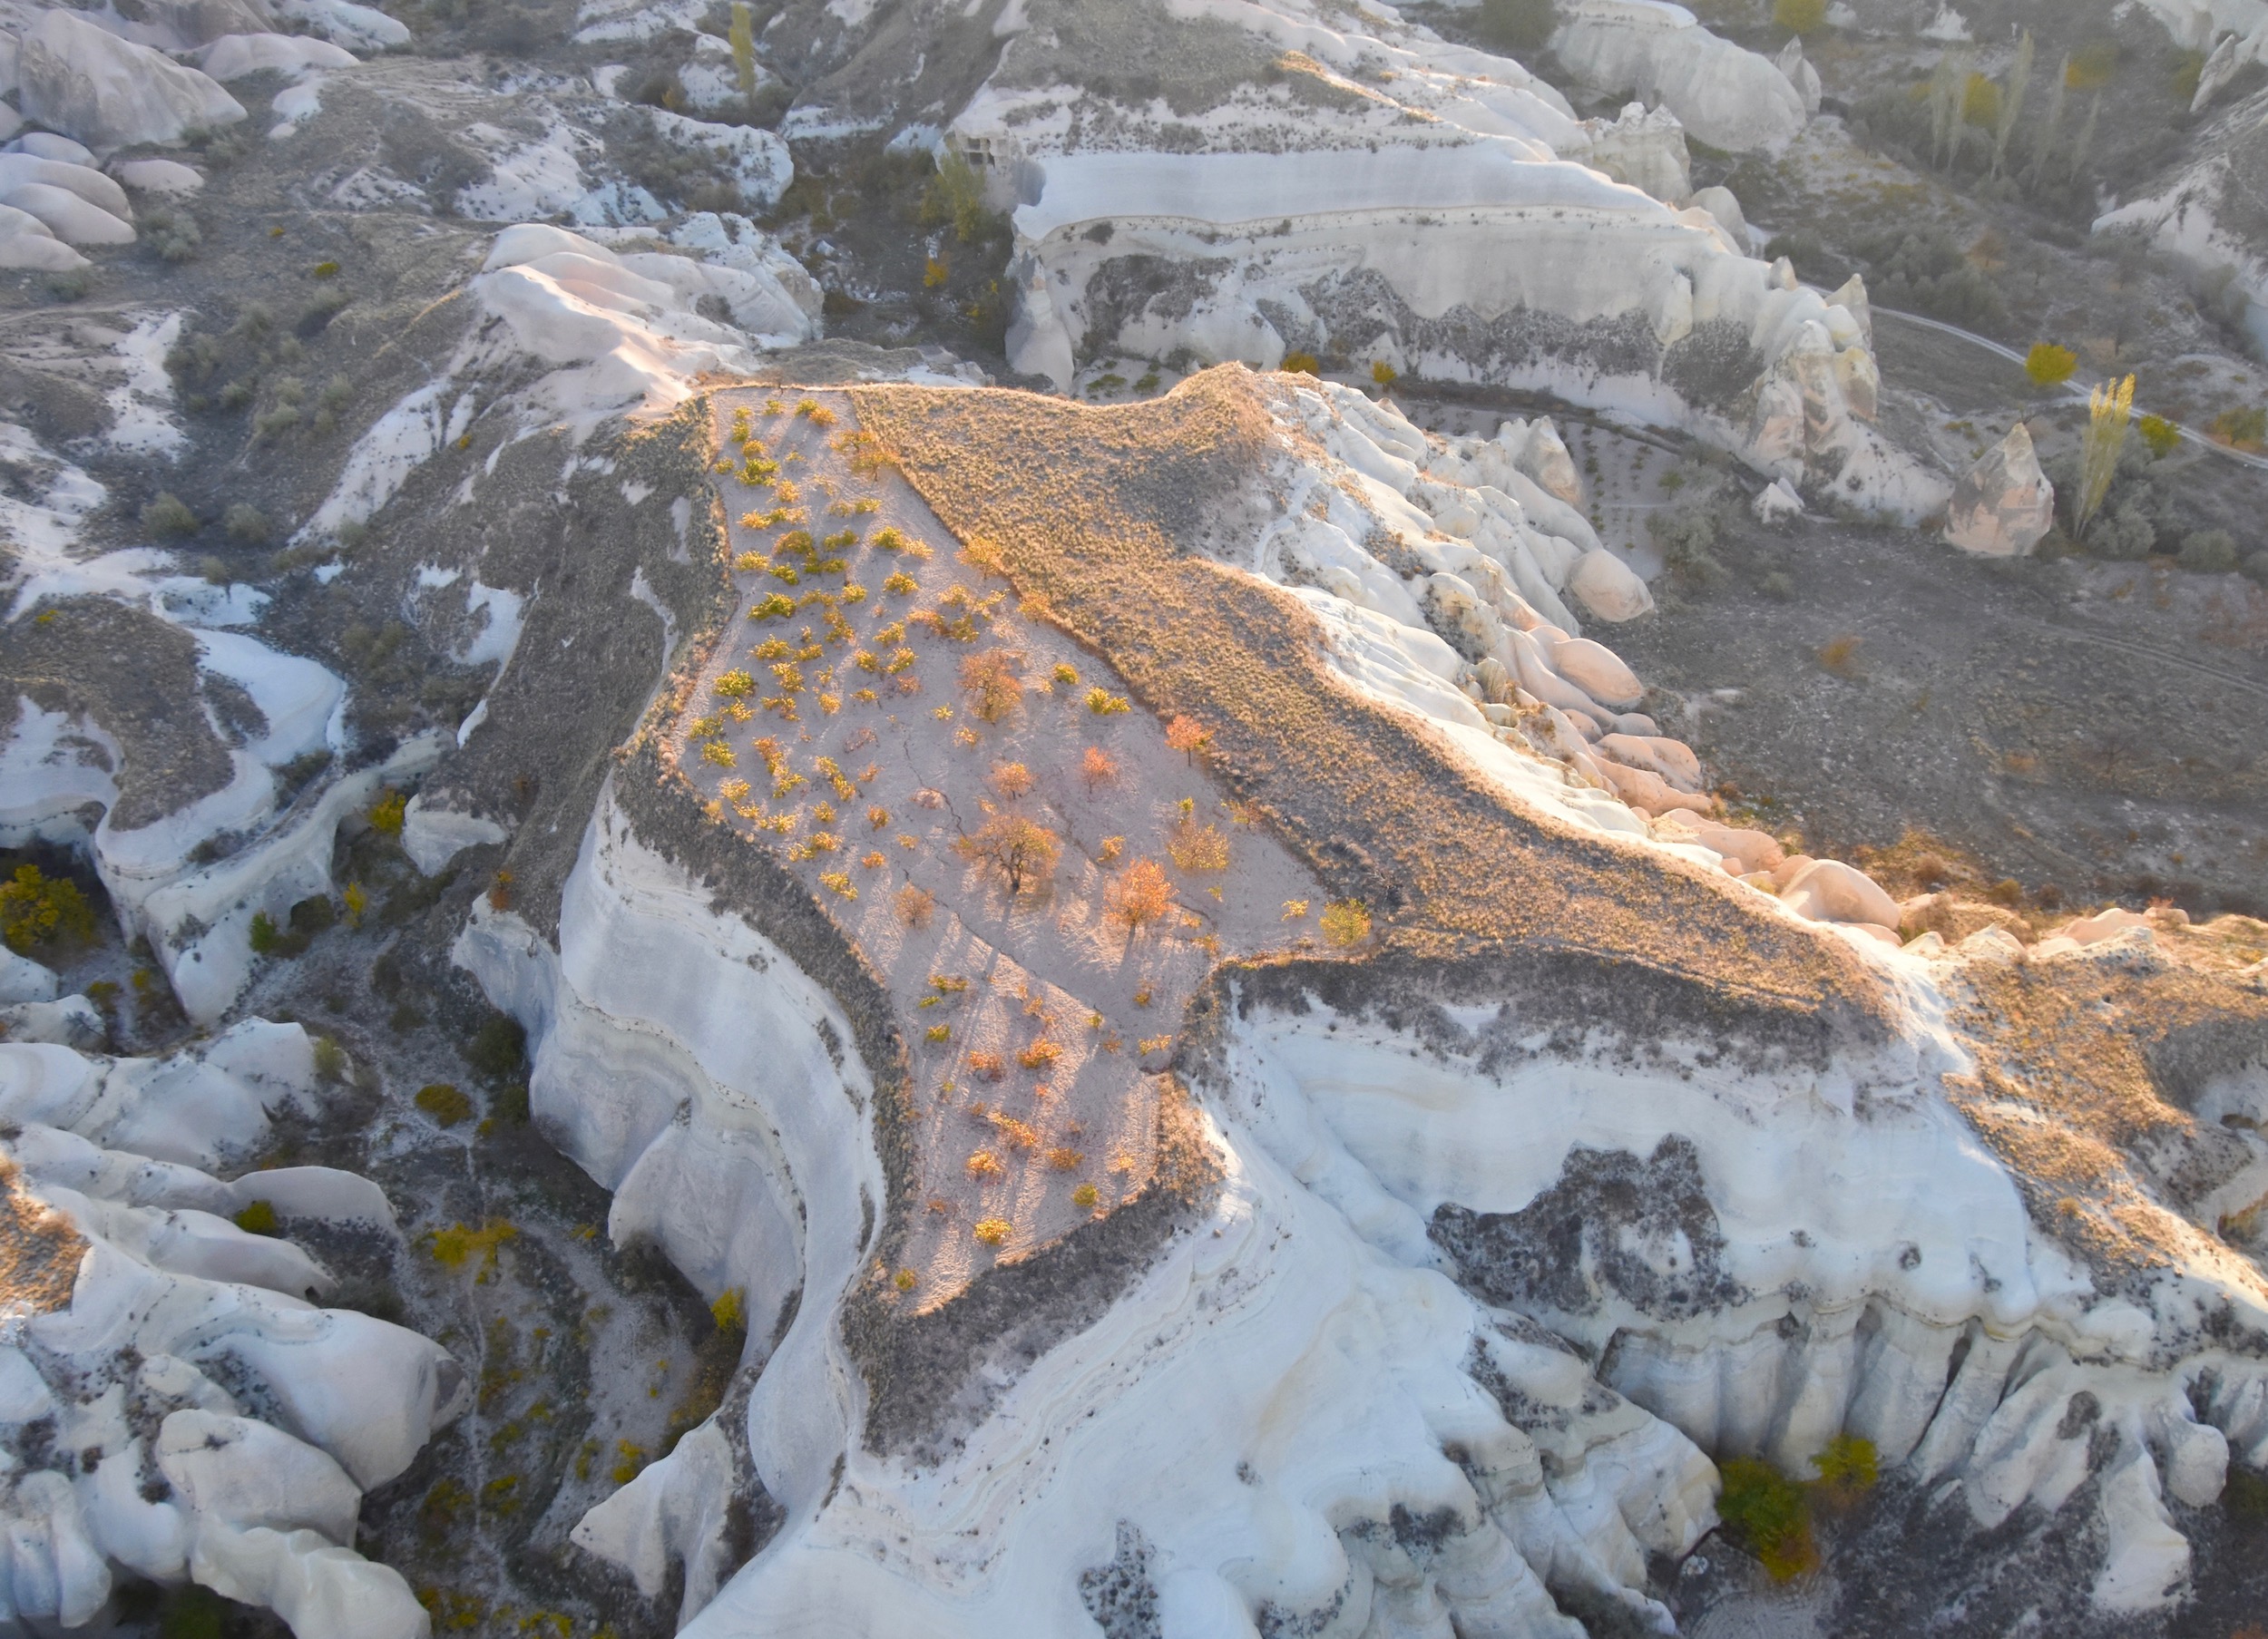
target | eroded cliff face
[
  {"x": 1149, "y": 1028},
  {"x": 1492, "y": 1276},
  {"x": 1503, "y": 1249}
]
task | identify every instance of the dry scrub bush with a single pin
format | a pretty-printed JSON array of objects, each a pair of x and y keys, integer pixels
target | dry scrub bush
[
  {"x": 988, "y": 1067},
  {"x": 1038, "y": 1054},
  {"x": 915, "y": 906},
  {"x": 1064, "y": 1159},
  {"x": 984, "y": 1164},
  {"x": 1022, "y": 849},
  {"x": 1196, "y": 847},
  {"x": 1139, "y": 896},
  {"x": 1188, "y": 736},
  {"x": 993, "y": 1230},
  {"x": 1097, "y": 767},
  {"x": 990, "y": 680},
  {"x": 1017, "y": 1135},
  {"x": 1012, "y": 780}
]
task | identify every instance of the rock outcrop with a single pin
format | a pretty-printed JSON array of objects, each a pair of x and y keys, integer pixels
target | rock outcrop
[
  {"x": 110, "y": 93},
  {"x": 174, "y": 1405},
  {"x": 1728, "y": 96},
  {"x": 2004, "y": 505}
]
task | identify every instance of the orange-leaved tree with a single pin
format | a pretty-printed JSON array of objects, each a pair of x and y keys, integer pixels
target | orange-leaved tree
[
  {"x": 1140, "y": 896},
  {"x": 1187, "y": 735}
]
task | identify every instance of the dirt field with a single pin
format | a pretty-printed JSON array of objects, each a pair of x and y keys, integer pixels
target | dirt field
[{"x": 906, "y": 704}]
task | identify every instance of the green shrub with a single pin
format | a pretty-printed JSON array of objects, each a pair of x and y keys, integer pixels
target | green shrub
[
  {"x": 956, "y": 195},
  {"x": 266, "y": 936},
  {"x": 388, "y": 813},
  {"x": 37, "y": 908},
  {"x": 730, "y": 1311},
  {"x": 259, "y": 1218},
  {"x": 1768, "y": 1514},
  {"x": 193, "y": 1613},
  {"x": 247, "y": 523},
  {"x": 2161, "y": 435},
  {"x": 330, "y": 1059},
  {"x": 498, "y": 1048},
  {"x": 175, "y": 237},
  {"x": 2048, "y": 365},
  {"x": 1849, "y": 1464},
  {"x": 2241, "y": 427},
  {"x": 1925, "y": 270},
  {"x": 445, "y": 1102},
  {"x": 168, "y": 514},
  {"x": 2209, "y": 553},
  {"x": 2245, "y": 1497},
  {"x": 510, "y": 1105}
]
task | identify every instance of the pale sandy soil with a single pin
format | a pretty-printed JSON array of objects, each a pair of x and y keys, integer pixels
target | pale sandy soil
[{"x": 1047, "y": 970}]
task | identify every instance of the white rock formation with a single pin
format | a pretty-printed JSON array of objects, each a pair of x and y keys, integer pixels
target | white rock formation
[
  {"x": 1756, "y": 1300},
  {"x": 1775, "y": 503},
  {"x": 169, "y": 1476},
  {"x": 362, "y": 28},
  {"x": 1609, "y": 588},
  {"x": 23, "y": 979},
  {"x": 1781, "y": 377},
  {"x": 1728, "y": 96},
  {"x": 2184, "y": 211},
  {"x": 47, "y": 145},
  {"x": 237, "y": 56},
  {"x": 169, "y": 177},
  {"x": 1645, "y": 147},
  {"x": 27, "y": 241},
  {"x": 110, "y": 93},
  {"x": 2004, "y": 505},
  {"x": 1720, "y": 203},
  {"x": 616, "y": 331},
  {"x": 1800, "y": 73},
  {"x": 1339, "y": 1336},
  {"x": 54, "y": 768}
]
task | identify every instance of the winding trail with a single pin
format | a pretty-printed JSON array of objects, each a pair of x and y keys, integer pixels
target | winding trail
[
  {"x": 2141, "y": 650},
  {"x": 2075, "y": 392}
]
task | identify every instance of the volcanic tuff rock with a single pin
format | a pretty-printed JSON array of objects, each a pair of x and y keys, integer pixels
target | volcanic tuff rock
[{"x": 788, "y": 788}]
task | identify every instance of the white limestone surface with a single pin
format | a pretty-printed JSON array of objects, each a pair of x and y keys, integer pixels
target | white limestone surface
[
  {"x": 1229, "y": 1438},
  {"x": 110, "y": 93},
  {"x": 171, "y": 1298},
  {"x": 1728, "y": 96},
  {"x": 1403, "y": 254}
]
